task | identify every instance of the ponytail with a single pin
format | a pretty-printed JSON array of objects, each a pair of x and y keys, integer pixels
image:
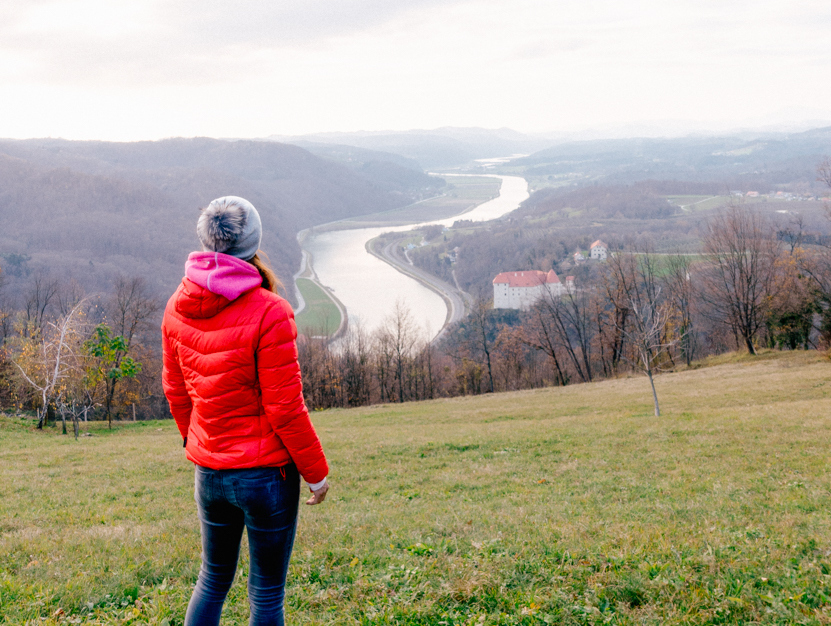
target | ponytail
[{"x": 270, "y": 280}]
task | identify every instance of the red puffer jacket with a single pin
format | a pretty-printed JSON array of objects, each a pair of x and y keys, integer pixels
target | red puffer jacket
[{"x": 231, "y": 374}]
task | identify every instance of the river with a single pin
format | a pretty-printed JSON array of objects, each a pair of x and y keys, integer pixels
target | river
[{"x": 370, "y": 288}]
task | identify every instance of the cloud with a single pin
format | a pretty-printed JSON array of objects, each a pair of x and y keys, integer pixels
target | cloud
[
  {"x": 176, "y": 42},
  {"x": 150, "y": 68}
]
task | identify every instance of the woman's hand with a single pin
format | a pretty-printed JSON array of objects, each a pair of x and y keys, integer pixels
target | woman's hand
[{"x": 319, "y": 495}]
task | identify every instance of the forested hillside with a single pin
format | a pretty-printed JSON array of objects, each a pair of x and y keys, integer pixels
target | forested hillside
[
  {"x": 741, "y": 162},
  {"x": 555, "y": 222},
  {"x": 92, "y": 210}
]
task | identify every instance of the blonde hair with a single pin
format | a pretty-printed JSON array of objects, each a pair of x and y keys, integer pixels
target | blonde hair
[{"x": 270, "y": 280}]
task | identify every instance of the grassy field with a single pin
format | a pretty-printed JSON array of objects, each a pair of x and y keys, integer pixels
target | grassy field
[
  {"x": 321, "y": 315},
  {"x": 558, "y": 506},
  {"x": 463, "y": 193}
]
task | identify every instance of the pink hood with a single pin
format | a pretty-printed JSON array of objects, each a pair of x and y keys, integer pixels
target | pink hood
[{"x": 222, "y": 274}]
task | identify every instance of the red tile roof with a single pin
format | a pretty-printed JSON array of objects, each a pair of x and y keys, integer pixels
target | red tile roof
[
  {"x": 598, "y": 243},
  {"x": 527, "y": 278}
]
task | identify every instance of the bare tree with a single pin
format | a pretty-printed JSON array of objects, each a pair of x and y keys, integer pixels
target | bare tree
[
  {"x": 632, "y": 281},
  {"x": 42, "y": 291},
  {"x": 45, "y": 359},
  {"x": 824, "y": 172},
  {"x": 569, "y": 321},
  {"x": 647, "y": 334},
  {"x": 5, "y": 311},
  {"x": 403, "y": 333},
  {"x": 356, "y": 370},
  {"x": 681, "y": 294},
  {"x": 815, "y": 264},
  {"x": 481, "y": 339},
  {"x": 741, "y": 277},
  {"x": 68, "y": 295},
  {"x": 130, "y": 309},
  {"x": 540, "y": 332}
]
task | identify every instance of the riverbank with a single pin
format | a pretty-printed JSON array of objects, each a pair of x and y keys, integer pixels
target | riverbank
[
  {"x": 456, "y": 300},
  {"x": 319, "y": 312}
]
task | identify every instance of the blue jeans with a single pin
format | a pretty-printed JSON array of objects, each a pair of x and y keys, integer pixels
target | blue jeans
[{"x": 263, "y": 500}]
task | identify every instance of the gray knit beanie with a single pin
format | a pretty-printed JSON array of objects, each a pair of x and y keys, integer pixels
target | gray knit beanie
[{"x": 230, "y": 225}]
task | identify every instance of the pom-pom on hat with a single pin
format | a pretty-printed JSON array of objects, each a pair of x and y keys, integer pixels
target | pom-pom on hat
[{"x": 230, "y": 225}]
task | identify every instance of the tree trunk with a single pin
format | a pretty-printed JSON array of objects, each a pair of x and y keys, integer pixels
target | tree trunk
[
  {"x": 749, "y": 342},
  {"x": 654, "y": 393},
  {"x": 490, "y": 371}
]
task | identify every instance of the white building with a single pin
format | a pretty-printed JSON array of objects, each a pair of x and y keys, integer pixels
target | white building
[
  {"x": 520, "y": 290},
  {"x": 599, "y": 250}
]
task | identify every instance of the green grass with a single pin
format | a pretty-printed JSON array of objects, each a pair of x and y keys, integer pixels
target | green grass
[
  {"x": 462, "y": 193},
  {"x": 554, "y": 506},
  {"x": 320, "y": 316}
]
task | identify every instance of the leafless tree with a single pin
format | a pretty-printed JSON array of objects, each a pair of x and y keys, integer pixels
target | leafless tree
[
  {"x": 131, "y": 310},
  {"x": 356, "y": 366},
  {"x": 45, "y": 361},
  {"x": 482, "y": 342},
  {"x": 132, "y": 307},
  {"x": 740, "y": 279},
  {"x": 824, "y": 172},
  {"x": 647, "y": 333},
  {"x": 681, "y": 294},
  {"x": 68, "y": 295},
  {"x": 5, "y": 311},
  {"x": 569, "y": 322},
  {"x": 815, "y": 264},
  {"x": 643, "y": 316},
  {"x": 403, "y": 333},
  {"x": 42, "y": 291},
  {"x": 540, "y": 332}
]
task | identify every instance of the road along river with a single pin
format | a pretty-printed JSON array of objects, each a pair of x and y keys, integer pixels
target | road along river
[{"x": 370, "y": 288}]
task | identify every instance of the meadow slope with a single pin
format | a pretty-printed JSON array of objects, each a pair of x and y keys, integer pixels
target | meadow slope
[{"x": 570, "y": 505}]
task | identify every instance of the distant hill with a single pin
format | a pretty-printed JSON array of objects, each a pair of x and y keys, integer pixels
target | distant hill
[
  {"x": 434, "y": 149},
  {"x": 739, "y": 158},
  {"x": 387, "y": 171},
  {"x": 91, "y": 210},
  {"x": 742, "y": 160}
]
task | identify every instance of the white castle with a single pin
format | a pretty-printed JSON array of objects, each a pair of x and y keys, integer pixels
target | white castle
[{"x": 520, "y": 290}]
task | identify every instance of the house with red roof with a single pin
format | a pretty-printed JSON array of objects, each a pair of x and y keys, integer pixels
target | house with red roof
[
  {"x": 599, "y": 250},
  {"x": 520, "y": 290}
]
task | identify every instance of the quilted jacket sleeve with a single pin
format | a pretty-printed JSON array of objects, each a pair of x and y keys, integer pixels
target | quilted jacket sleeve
[
  {"x": 282, "y": 392},
  {"x": 173, "y": 382}
]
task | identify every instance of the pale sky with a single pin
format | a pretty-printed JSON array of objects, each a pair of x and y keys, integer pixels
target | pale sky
[{"x": 147, "y": 69}]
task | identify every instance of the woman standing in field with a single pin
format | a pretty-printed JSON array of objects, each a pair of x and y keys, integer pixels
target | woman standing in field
[{"x": 233, "y": 383}]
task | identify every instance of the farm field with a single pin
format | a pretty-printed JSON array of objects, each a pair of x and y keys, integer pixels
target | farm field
[
  {"x": 566, "y": 505},
  {"x": 462, "y": 194},
  {"x": 320, "y": 315}
]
